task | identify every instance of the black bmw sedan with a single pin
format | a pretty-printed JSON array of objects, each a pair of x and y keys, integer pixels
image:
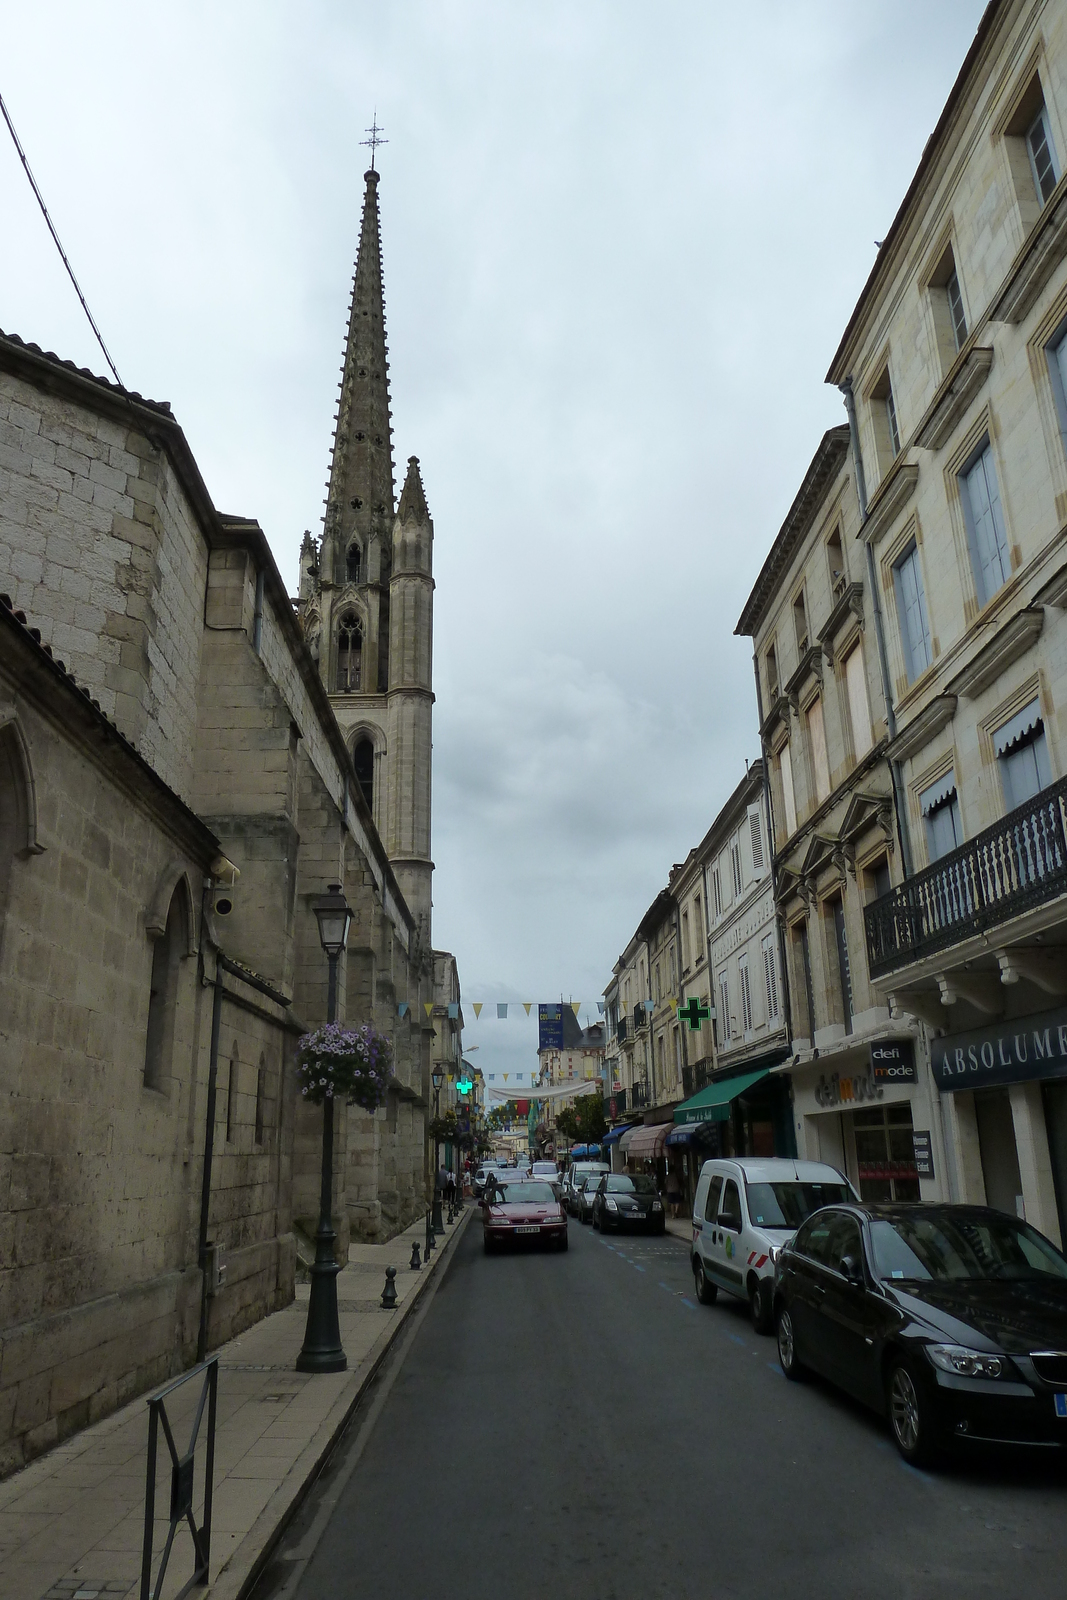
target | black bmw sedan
[
  {"x": 622, "y": 1201},
  {"x": 949, "y": 1320}
]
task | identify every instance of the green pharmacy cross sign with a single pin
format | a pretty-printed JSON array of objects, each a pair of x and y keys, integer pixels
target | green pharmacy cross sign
[{"x": 694, "y": 1013}]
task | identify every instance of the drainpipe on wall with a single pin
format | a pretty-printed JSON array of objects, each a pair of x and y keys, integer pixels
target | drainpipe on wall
[
  {"x": 209, "y": 1147},
  {"x": 883, "y": 659}
]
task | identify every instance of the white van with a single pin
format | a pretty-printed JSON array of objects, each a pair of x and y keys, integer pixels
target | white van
[{"x": 745, "y": 1209}]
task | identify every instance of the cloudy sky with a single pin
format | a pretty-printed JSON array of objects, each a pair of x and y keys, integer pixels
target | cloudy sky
[{"x": 621, "y": 240}]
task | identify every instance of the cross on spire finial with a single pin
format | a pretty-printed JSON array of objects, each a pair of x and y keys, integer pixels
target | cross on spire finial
[{"x": 375, "y": 139}]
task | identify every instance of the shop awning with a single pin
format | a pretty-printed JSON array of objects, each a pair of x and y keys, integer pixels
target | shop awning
[
  {"x": 713, "y": 1103},
  {"x": 615, "y": 1134},
  {"x": 688, "y": 1133},
  {"x": 647, "y": 1143}
]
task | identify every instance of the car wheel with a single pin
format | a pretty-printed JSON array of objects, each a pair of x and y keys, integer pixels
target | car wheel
[
  {"x": 760, "y": 1307},
  {"x": 706, "y": 1291},
  {"x": 911, "y": 1414},
  {"x": 787, "y": 1346}
]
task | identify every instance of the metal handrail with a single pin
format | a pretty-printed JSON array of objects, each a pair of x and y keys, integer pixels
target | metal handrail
[
  {"x": 1017, "y": 864},
  {"x": 181, "y": 1482}
]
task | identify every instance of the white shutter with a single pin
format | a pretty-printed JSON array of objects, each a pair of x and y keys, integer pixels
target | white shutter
[
  {"x": 755, "y": 833},
  {"x": 819, "y": 758},
  {"x": 770, "y": 977}
]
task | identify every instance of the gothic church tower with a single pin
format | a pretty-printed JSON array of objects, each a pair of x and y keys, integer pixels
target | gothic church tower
[{"x": 366, "y": 594}]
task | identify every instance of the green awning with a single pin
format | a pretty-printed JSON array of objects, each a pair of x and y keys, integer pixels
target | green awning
[{"x": 713, "y": 1103}]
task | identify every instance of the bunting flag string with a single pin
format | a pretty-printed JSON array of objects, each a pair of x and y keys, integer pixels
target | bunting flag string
[{"x": 505, "y": 1009}]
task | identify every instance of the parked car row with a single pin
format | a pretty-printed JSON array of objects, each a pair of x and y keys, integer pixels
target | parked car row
[{"x": 948, "y": 1320}]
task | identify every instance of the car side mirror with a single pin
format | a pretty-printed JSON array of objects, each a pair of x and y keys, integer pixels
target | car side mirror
[{"x": 851, "y": 1269}]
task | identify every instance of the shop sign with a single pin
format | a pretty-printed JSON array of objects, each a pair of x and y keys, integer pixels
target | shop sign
[
  {"x": 838, "y": 1091},
  {"x": 924, "y": 1153},
  {"x": 1013, "y": 1051},
  {"x": 893, "y": 1061}
]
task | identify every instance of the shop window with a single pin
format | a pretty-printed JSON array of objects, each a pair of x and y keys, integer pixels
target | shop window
[
  {"x": 1022, "y": 756},
  {"x": 885, "y": 1155},
  {"x": 940, "y": 808},
  {"x": 998, "y": 1150}
]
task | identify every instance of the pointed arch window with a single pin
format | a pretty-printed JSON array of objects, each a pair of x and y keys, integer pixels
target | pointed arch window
[
  {"x": 163, "y": 997},
  {"x": 349, "y": 652},
  {"x": 353, "y": 561},
  {"x": 363, "y": 761}
]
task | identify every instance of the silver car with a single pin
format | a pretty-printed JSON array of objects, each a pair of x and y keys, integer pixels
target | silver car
[{"x": 589, "y": 1188}]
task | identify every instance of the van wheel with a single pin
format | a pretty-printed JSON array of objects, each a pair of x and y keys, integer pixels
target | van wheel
[
  {"x": 760, "y": 1307},
  {"x": 706, "y": 1291}
]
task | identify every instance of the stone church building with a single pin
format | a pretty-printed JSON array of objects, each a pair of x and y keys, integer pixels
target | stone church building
[{"x": 188, "y": 758}]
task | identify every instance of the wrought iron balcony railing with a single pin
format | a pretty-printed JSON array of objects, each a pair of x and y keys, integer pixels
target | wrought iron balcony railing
[{"x": 1019, "y": 863}]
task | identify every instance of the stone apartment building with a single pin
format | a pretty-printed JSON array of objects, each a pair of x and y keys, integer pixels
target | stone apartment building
[
  {"x": 627, "y": 1045},
  {"x": 860, "y": 1079},
  {"x": 953, "y": 365},
  {"x": 163, "y": 723}
]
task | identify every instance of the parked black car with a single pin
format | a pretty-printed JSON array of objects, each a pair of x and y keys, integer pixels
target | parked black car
[
  {"x": 949, "y": 1320},
  {"x": 625, "y": 1202}
]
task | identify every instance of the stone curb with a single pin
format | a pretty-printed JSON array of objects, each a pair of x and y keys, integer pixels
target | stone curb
[{"x": 245, "y": 1565}]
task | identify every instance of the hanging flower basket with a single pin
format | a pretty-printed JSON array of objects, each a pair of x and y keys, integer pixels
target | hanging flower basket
[{"x": 341, "y": 1063}]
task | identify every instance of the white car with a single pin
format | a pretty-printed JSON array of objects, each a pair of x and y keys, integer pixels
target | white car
[
  {"x": 744, "y": 1210},
  {"x": 576, "y": 1176}
]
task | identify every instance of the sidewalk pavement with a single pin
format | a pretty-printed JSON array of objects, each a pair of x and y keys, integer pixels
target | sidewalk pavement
[
  {"x": 681, "y": 1227},
  {"x": 72, "y": 1523}
]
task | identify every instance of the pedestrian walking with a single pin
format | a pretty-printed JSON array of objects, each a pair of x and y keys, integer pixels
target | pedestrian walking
[{"x": 674, "y": 1191}]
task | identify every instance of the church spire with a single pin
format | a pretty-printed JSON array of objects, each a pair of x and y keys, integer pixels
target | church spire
[{"x": 360, "y": 498}]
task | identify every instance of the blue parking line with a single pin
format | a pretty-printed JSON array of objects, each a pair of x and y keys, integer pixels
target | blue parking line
[
  {"x": 690, "y": 1303},
  {"x": 667, "y": 1287},
  {"x": 775, "y": 1367},
  {"x": 736, "y": 1337},
  {"x": 636, "y": 1267}
]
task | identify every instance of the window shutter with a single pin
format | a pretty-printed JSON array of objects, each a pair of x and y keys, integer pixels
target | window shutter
[
  {"x": 756, "y": 835},
  {"x": 770, "y": 978},
  {"x": 859, "y": 712}
]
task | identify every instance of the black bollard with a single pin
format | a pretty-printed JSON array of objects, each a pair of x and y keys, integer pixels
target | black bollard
[
  {"x": 389, "y": 1292},
  {"x": 433, "y": 1237},
  {"x": 429, "y": 1240},
  {"x": 415, "y": 1263}
]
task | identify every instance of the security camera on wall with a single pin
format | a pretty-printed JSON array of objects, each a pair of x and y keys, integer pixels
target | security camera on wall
[{"x": 220, "y": 887}]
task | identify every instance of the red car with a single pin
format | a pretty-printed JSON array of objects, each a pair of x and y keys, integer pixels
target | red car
[{"x": 521, "y": 1212}]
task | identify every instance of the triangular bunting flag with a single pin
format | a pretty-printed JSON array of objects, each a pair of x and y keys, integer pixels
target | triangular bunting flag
[
  {"x": 402, "y": 1008},
  {"x": 600, "y": 1006},
  {"x": 427, "y": 1006},
  {"x": 505, "y": 1077},
  {"x": 502, "y": 1009},
  {"x": 576, "y": 1006},
  {"x": 477, "y": 1008},
  {"x": 527, "y": 1006},
  {"x": 453, "y": 1009},
  {"x": 672, "y": 1002}
]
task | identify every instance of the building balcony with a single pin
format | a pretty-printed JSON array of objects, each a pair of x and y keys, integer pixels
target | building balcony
[
  {"x": 695, "y": 1078},
  {"x": 620, "y": 1030},
  {"x": 1016, "y": 866}
]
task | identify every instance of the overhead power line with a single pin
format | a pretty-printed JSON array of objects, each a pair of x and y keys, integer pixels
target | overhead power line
[{"x": 59, "y": 247}]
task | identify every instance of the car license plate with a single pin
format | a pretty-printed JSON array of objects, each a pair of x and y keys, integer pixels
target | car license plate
[
  {"x": 1061, "y": 1405},
  {"x": 533, "y": 1229}
]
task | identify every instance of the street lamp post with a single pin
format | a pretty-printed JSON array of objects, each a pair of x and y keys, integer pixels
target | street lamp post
[
  {"x": 437, "y": 1078},
  {"x": 322, "y": 1350}
]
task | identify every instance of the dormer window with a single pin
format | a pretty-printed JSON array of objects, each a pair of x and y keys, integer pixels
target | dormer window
[{"x": 352, "y": 563}]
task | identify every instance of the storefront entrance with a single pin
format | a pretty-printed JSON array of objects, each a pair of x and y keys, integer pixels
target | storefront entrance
[
  {"x": 885, "y": 1154},
  {"x": 1000, "y": 1157}
]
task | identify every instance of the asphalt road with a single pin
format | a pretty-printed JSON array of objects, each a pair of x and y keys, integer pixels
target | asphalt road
[{"x": 576, "y": 1425}]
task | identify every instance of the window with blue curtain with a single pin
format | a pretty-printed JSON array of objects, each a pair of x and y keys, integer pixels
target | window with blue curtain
[
  {"x": 911, "y": 613},
  {"x": 985, "y": 524},
  {"x": 1022, "y": 756},
  {"x": 940, "y": 809}
]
